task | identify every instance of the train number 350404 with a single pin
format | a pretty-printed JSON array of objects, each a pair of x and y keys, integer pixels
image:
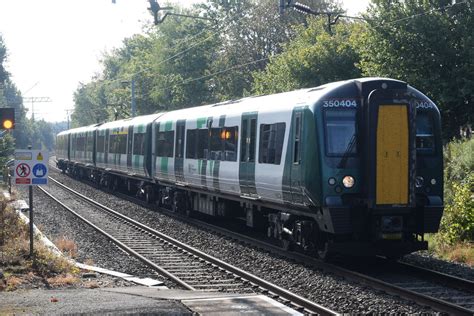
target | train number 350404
[{"x": 340, "y": 103}]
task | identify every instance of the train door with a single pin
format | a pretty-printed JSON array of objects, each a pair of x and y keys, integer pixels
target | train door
[
  {"x": 130, "y": 148},
  {"x": 106, "y": 147},
  {"x": 248, "y": 141},
  {"x": 94, "y": 147},
  {"x": 391, "y": 157},
  {"x": 179, "y": 152},
  {"x": 296, "y": 174}
]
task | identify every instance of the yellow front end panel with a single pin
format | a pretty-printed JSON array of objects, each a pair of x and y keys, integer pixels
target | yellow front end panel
[{"x": 392, "y": 155}]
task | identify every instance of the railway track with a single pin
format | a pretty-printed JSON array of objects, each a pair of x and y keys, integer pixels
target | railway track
[
  {"x": 183, "y": 264},
  {"x": 426, "y": 287},
  {"x": 442, "y": 292}
]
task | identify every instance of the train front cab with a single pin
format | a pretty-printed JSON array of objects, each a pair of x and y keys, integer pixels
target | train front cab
[{"x": 396, "y": 162}]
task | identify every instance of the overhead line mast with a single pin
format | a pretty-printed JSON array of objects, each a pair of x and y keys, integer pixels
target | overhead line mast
[{"x": 34, "y": 100}]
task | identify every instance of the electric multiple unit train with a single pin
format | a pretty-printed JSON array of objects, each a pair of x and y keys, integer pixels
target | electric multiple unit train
[{"x": 352, "y": 167}]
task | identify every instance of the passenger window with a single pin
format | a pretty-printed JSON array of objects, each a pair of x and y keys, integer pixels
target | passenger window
[
  {"x": 202, "y": 143},
  {"x": 297, "y": 140},
  {"x": 90, "y": 142},
  {"x": 271, "y": 143},
  {"x": 191, "y": 142},
  {"x": 230, "y": 137},
  {"x": 139, "y": 144},
  {"x": 253, "y": 137},
  {"x": 424, "y": 133},
  {"x": 118, "y": 144},
  {"x": 243, "y": 142},
  {"x": 100, "y": 143},
  {"x": 113, "y": 144},
  {"x": 216, "y": 144},
  {"x": 164, "y": 144},
  {"x": 179, "y": 141}
]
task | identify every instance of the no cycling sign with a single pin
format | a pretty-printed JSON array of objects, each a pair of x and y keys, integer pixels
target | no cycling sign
[{"x": 31, "y": 167}]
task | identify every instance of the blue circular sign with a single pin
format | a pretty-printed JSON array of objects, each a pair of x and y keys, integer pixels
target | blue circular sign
[{"x": 39, "y": 170}]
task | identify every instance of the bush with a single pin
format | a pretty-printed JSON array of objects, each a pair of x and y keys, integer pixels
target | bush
[
  {"x": 15, "y": 261},
  {"x": 457, "y": 224}
]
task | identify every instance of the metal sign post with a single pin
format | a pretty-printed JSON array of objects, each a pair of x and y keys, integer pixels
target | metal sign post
[
  {"x": 30, "y": 189},
  {"x": 31, "y": 168}
]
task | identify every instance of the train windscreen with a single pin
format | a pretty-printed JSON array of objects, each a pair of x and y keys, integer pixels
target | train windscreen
[
  {"x": 424, "y": 133},
  {"x": 340, "y": 132}
]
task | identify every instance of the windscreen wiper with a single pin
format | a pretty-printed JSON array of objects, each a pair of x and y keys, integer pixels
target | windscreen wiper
[{"x": 345, "y": 157}]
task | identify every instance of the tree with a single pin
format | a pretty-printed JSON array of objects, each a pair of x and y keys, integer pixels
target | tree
[
  {"x": 10, "y": 96},
  {"x": 313, "y": 58},
  {"x": 90, "y": 105},
  {"x": 185, "y": 62},
  {"x": 428, "y": 44},
  {"x": 7, "y": 147},
  {"x": 253, "y": 31}
]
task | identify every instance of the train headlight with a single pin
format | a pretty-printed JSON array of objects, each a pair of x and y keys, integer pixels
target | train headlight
[
  {"x": 433, "y": 181},
  {"x": 419, "y": 181},
  {"x": 332, "y": 181},
  {"x": 348, "y": 182}
]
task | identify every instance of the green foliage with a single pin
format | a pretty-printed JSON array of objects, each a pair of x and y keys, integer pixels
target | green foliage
[
  {"x": 457, "y": 224},
  {"x": 7, "y": 147},
  {"x": 428, "y": 47},
  {"x": 313, "y": 58},
  {"x": 90, "y": 105},
  {"x": 185, "y": 62},
  {"x": 26, "y": 132}
]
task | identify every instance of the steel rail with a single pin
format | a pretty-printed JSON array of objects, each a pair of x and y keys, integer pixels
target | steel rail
[
  {"x": 309, "y": 306},
  {"x": 121, "y": 245},
  {"x": 419, "y": 298},
  {"x": 360, "y": 277},
  {"x": 450, "y": 280}
]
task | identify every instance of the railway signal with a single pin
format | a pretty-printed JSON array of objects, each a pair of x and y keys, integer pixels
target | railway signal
[{"x": 7, "y": 118}]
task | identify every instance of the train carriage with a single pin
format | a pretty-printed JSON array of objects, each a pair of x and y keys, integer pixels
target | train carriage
[
  {"x": 77, "y": 146},
  {"x": 351, "y": 167},
  {"x": 124, "y": 149}
]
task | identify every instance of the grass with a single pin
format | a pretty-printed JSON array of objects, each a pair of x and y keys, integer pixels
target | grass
[
  {"x": 66, "y": 246},
  {"x": 15, "y": 262},
  {"x": 462, "y": 252}
]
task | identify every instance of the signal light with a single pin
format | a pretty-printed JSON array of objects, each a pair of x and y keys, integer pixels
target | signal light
[{"x": 7, "y": 118}]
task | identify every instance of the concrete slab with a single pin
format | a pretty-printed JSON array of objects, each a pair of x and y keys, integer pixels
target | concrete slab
[
  {"x": 212, "y": 303},
  {"x": 86, "y": 301},
  {"x": 230, "y": 306}
]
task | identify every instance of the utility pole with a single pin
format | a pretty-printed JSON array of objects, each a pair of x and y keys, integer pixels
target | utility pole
[
  {"x": 303, "y": 8},
  {"x": 134, "y": 107},
  {"x": 155, "y": 8},
  {"x": 34, "y": 100},
  {"x": 67, "y": 116}
]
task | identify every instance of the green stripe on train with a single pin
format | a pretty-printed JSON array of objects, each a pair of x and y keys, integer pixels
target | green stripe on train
[
  {"x": 164, "y": 165},
  {"x": 201, "y": 122}
]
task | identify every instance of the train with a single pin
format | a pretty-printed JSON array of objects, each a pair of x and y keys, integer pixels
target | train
[{"x": 353, "y": 167}]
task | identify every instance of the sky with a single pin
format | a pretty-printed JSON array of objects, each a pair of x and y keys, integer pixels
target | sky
[{"x": 53, "y": 45}]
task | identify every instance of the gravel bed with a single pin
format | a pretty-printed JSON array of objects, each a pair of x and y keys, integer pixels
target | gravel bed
[
  {"x": 92, "y": 248},
  {"x": 427, "y": 260},
  {"x": 326, "y": 289}
]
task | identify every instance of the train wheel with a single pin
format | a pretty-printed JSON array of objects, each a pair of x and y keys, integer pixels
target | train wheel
[
  {"x": 287, "y": 245},
  {"x": 149, "y": 196},
  {"x": 323, "y": 252},
  {"x": 179, "y": 202}
]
